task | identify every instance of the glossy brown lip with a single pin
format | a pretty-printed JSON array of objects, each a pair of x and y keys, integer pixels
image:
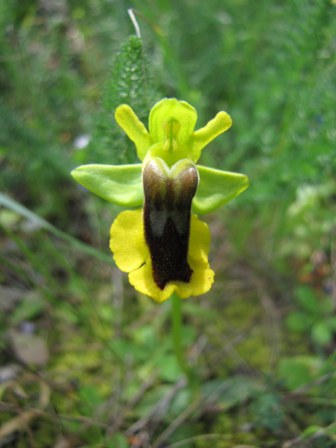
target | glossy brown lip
[{"x": 168, "y": 196}]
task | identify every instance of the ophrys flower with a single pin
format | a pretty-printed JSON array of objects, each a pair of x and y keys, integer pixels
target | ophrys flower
[{"x": 163, "y": 246}]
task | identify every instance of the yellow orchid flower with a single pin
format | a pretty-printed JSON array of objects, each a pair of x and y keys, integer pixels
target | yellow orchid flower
[{"x": 163, "y": 246}]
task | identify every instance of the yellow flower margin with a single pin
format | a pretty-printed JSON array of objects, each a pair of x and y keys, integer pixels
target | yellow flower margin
[{"x": 131, "y": 255}]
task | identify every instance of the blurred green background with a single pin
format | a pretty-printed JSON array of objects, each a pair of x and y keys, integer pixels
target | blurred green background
[{"x": 85, "y": 361}]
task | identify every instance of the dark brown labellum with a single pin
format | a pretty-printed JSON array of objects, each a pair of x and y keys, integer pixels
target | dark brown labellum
[{"x": 168, "y": 196}]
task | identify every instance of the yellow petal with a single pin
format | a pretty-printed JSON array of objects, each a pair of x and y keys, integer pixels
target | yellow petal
[
  {"x": 131, "y": 255},
  {"x": 199, "y": 241},
  {"x": 201, "y": 279},
  {"x": 127, "y": 240},
  {"x": 143, "y": 281}
]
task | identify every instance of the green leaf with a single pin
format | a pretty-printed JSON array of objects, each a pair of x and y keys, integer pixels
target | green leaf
[
  {"x": 298, "y": 321},
  {"x": 32, "y": 305},
  {"x": 9, "y": 203},
  {"x": 330, "y": 322},
  {"x": 232, "y": 391},
  {"x": 312, "y": 430},
  {"x": 90, "y": 399},
  {"x": 327, "y": 306},
  {"x": 298, "y": 371},
  {"x": 321, "y": 333},
  {"x": 119, "y": 184},
  {"x": 306, "y": 297},
  {"x": 117, "y": 440},
  {"x": 267, "y": 410},
  {"x": 217, "y": 188},
  {"x": 170, "y": 370}
]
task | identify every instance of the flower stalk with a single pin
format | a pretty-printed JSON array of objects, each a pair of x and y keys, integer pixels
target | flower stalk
[{"x": 177, "y": 331}]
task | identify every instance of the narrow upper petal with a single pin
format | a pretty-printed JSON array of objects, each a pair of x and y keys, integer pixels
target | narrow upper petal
[
  {"x": 172, "y": 134},
  {"x": 127, "y": 241},
  {"x": 134, "y": 128},
  {"x": 202, "y": 137}
]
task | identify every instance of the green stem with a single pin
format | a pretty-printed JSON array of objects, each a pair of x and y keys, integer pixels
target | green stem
[{"x": 177, "y": 339}]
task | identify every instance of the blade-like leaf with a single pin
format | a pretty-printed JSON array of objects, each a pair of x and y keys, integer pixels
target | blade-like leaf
[
  {"x": 216, "y": 188},
  {"x": 11, "y": 204},
  {"x": 120, "y": 184}
]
